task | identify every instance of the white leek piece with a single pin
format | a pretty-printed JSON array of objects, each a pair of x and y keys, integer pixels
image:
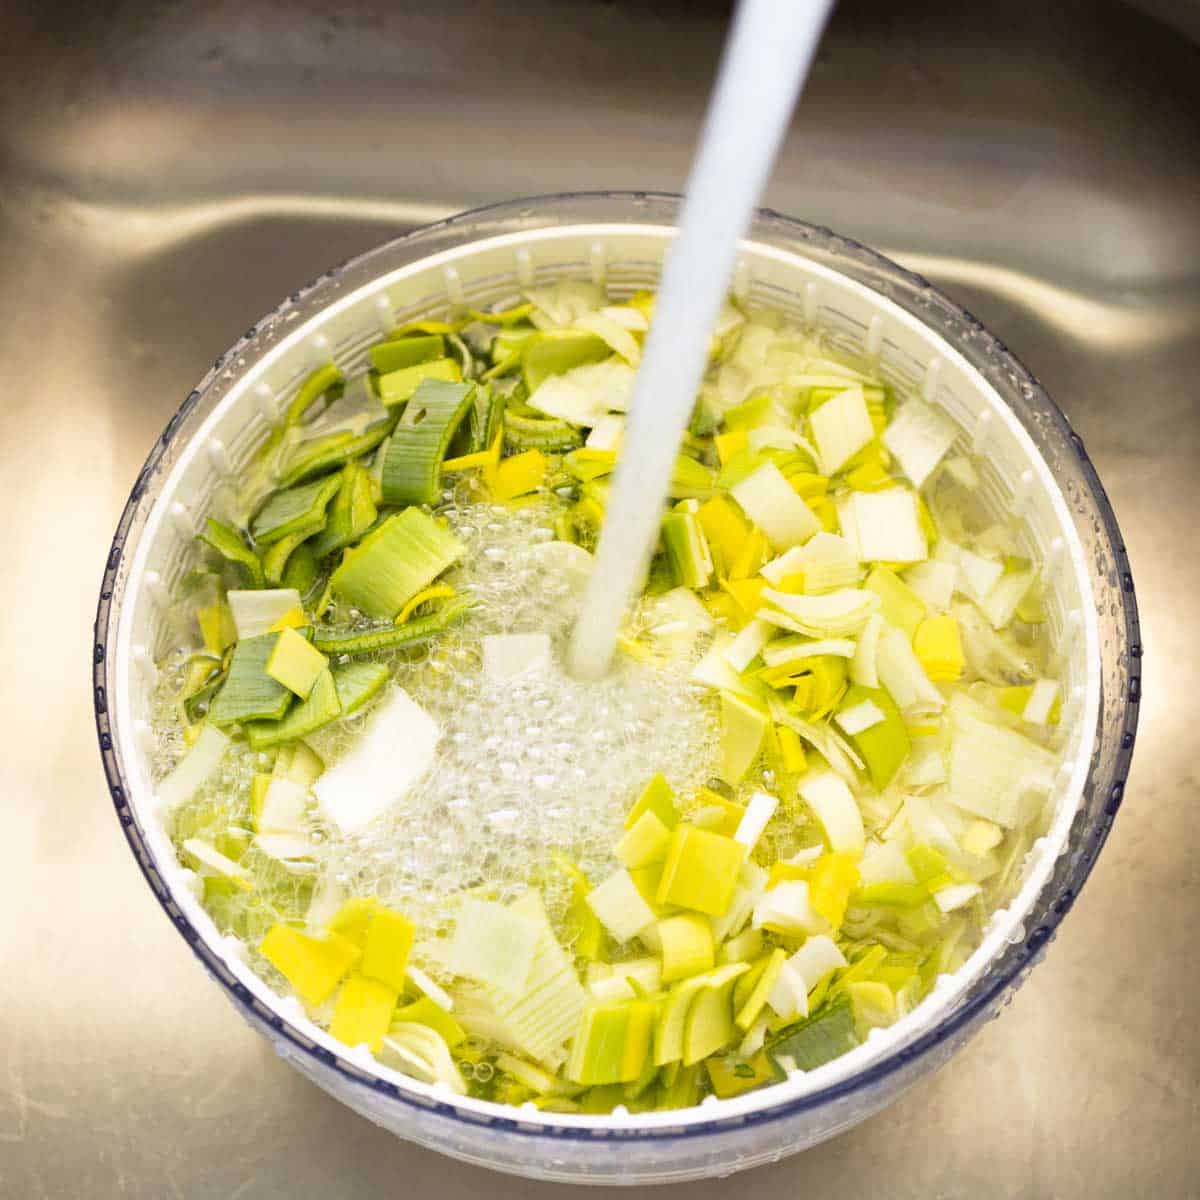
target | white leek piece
[
  {"x": 828, "y": 561},
  {"x": 751, "y": 883},
  {"x": 201, "y": 760},
  {"x": 841, "y": 427},
  {"x": 420, "y": 1051},
  {"x": 955, "y": 896},
  {"x": 1041, "y": 700},
  {"x": 934, "y": 582},
  {"x": 383, "y": 765},
  {"x": 714, "y": 671},
  {"x": 292, "y": 849},
  {"x": 749, "y": 642},
  {"x": 584, "y": 394},
  {"x": 787, "y": 909},
  {"x": 860, "y": 716},
  {"x": 620, "y": 907},
  {"x": 213, "y": 861},
  {"x": 925, "y": 765},
  {"x": 546, "y": 1012},
  {"x": 993, "y": 768},
  {"x": 790, "y": 562},
  {"x": 283, "y": 808},
  {"x": 507, "y": 655},
  {"x": 254, "y": 612},
  {"x": 788, "y": 650},
  {"x": 834, "y": 614},
  {"x": 788, "y": 997},
  {"x": 430, "y": 987},
  {"x": 769, "y": 501},
  {"x": 884, "y": 862},
  {"x": 493, "y": 945},
  {"x": 919, "y": 435},
  {"x": 835, "y": 807},
  {"x": 759, "y": 810},
  {"x": 863, "y": 666},
  {"x": 606, "y": 433},
  {"x": 614, "y": 333},
  {"x": 1000, "y": 604},
  {"x": 883, "y": 526},
  {"x": 901, "y": 673},
  {"x": 976, "y": 575},
  {"x": 815, "y": 959}
]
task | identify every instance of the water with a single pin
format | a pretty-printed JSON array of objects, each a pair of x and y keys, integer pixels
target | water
[
  {"x": 527, "y": 768},
  {"x": 766, "y": 60}
]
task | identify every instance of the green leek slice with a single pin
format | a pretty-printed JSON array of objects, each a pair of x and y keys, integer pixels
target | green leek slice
[
  {"x": 885, "y": 745},
  {"x": 407, "y": 352},
  {"x": 279, "y": 553},
  {"x": 321, "y": 707},
  {"x": 228, "y": 543},
  {"x": 356, "y": 683},
  {"x": 249, "y": 693},
  {"x": 323, "y": 454},
  {"x": 394, "y": 562},
  {"x": 818, "y": 1039},
  {"x": 300, "y": 572},
  {"x": 293, "y": 509},
  {"x": 555, "y": 351},
  {"x": 323, "y": 381},
  {"x": 536, "y": 433},
  {"x": 412, "y": 464},
  {"x": 350, "y": 515},
  {"x": 413, "y": 632},
  {"x": 398, "y": 387}
]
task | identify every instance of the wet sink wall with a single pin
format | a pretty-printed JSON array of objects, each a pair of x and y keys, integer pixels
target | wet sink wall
[{"x": 169, "y": 171}]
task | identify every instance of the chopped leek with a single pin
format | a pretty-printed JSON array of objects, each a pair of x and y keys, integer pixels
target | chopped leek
[
  {"x": 493, "y": 945},
  {"x": 248, "y": 692},
  {"x": 412, "y": 463},
  {"x": 701, "y": 870},
  {"x": 392, "y": 637},
  {"x": 294, "y": 663},
  {"x": 394, "y": 562},
  {"x": 363, "y": 1013},
  {"x": 293, "y": 510},
  {"x": 407, "y": 352},
  {"x": 371, "y": 778},
  {"x": 774, "y": 507},
  {"x": 228, "y": 543},
  {"x": 834, "y": 806},
  {"x": 189, "y": 774},
  {"x": 304, "y": 717},
  {"x": 824, "y": 1036},
  {"x": 687, "y": 549},
  {"x": 842, "y": 427},
  {"x": 920, "y": 436},
  {"x": 620, "y": 906},
  {"x": 400, "y": 385},
  {"x": 883, "y": 526},
  {"x": 259, "y": 612},
  {"x": 742, "y": 730}
]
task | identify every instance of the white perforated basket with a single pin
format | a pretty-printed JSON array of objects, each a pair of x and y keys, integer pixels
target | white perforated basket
[{"x": 868, "y": 309}]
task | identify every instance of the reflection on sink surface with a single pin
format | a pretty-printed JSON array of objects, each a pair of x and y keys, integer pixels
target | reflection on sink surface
[{"x": 169, "y": 171}]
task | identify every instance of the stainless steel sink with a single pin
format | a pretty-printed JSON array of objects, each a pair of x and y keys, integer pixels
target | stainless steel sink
[{"x": 169, "y": 171}]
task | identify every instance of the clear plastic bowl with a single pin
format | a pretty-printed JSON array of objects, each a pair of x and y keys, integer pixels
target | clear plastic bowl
[{"x": 870, "y": 309}]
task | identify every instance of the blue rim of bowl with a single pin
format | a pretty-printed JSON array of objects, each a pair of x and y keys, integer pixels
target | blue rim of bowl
[{"x": 1005, "y": 973}]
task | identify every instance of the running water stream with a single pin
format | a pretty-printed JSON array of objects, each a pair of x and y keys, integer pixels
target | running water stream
[{"x": 766, "y": 61}]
